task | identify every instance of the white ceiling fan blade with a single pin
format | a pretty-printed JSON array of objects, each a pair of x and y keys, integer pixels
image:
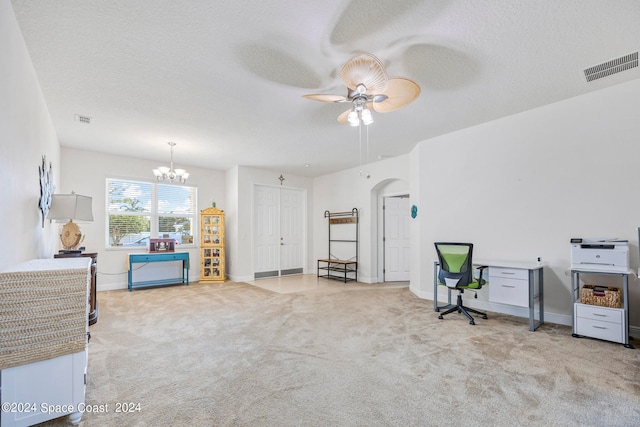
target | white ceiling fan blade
[
  {"x": 325, "y": 97},
  {"x": 367, "y": 70},
  {"x": 400, "y": 92}
]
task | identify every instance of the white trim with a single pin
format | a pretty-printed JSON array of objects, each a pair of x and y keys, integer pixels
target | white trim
[
  {"x": 560, "y": 319},
  {"x": 380, "y": 233},
  {"x": 305, "y": 235},
  {"x": 112, "y": 286},
  {"x": 240, "y": 278}
]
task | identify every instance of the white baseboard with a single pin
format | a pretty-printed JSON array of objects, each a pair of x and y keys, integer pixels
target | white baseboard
[
  {"x": 125, "y": 285},
  {"x": 112, "y": 286},
  {"x": 240, "y": 278},
  {"x": 560, "y": 319}
]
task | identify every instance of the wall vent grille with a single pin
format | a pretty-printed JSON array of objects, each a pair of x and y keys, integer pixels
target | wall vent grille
[
  {"x": 611, "y": 67},
  {"x": 83, "y": 119}
]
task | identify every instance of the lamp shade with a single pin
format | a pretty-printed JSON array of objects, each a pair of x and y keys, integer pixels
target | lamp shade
[{"x": 66, "y": 207}]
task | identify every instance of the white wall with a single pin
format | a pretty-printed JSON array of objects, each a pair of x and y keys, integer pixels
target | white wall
[
  {"x": 231, "y": 222},
  {"x": 348, "y": 189},
  {"x": 531, "y": 182},
  {"x": 520, "y": 187},
  {"x": 85, "y": 172},
  {"x": 26, "y": 134}
]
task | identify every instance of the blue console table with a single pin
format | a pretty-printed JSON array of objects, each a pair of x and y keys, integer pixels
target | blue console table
[{"x": 159, "y": 257}]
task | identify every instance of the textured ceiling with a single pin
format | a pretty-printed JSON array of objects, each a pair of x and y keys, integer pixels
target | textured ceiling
[{"x": 224, "y": 79}]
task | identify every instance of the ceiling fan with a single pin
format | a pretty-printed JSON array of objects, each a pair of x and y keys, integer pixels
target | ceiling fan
[{"x": 368, "y": 86}]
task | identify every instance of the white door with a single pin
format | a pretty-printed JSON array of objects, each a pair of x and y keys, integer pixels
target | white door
[
  {"x": 291, "y": 231},
  {"x": 396, "y": 239},
  {"x": 278, "y": 231},
  {"x": 266, "y": 232}
]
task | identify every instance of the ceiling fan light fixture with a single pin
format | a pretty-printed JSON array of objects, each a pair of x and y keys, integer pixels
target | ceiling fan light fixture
[
  {"x": 369, "y": 87},
  {"x": 353, "y": 118},
  {"x": 367, "y": 117}
]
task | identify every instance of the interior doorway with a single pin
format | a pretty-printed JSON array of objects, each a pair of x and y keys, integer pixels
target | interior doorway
[
  {"x": 396, "y": 238},
  {"x": 278, "y": 231}
]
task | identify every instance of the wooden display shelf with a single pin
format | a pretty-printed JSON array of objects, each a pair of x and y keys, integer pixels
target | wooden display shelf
[{"x": 212, "y": 245}]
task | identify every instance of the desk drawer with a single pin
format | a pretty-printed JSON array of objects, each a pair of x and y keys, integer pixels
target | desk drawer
[
  {"x": 511, "y": 273},
  {"x": 509, "y": 291},
  {"x": 599, "y": 322},
  {"x": 600, "y": 314},
  {"x": 601, "y": 330}
]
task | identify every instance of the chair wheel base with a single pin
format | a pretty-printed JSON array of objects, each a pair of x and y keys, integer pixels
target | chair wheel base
[
  {"x": 440, "y": 317},
  {"x": 472, "y": 323},
  {"x": 485, "y": 317}
]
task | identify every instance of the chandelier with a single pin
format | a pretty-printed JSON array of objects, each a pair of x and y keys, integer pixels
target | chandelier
[{"x": 169, "y": 174}]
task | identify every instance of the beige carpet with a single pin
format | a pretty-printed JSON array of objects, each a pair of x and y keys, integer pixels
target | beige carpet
[{"x": 234, "y": 354}]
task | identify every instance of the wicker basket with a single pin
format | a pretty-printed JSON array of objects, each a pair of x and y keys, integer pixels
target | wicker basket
[
  {"x": 43, "y": 310},
  {"x": 602, "y": 296}
]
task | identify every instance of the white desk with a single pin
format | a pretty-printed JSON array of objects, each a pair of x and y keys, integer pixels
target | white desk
[{"x": 511, "y": 283}]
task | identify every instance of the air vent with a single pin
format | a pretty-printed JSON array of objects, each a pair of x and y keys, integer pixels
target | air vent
[
  {"x": 83, "y": 119},
  {"x": 611, "y": 67}
]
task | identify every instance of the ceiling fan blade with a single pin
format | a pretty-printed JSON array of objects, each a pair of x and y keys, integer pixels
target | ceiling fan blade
[
  {"x": 342, "y": 118},
  {"x": 400, "y": 92},
  {"x": 367, "y": 70},
  {"x": 325, "y": 97}
]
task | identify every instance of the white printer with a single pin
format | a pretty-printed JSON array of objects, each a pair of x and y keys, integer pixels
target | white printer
[{"x": 608, "y": 255}]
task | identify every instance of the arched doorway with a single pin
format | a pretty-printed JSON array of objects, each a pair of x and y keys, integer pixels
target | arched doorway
[{"x": 391, "y": 201}]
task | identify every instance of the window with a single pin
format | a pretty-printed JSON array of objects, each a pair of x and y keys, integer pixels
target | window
[{"x": 138, "y": 211}]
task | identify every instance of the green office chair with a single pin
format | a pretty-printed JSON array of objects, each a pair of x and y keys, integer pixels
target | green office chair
[{"x": 455, "y": 271}]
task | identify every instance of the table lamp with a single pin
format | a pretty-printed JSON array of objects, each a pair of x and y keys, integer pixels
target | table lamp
[{"x": 69, "y": 207}]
